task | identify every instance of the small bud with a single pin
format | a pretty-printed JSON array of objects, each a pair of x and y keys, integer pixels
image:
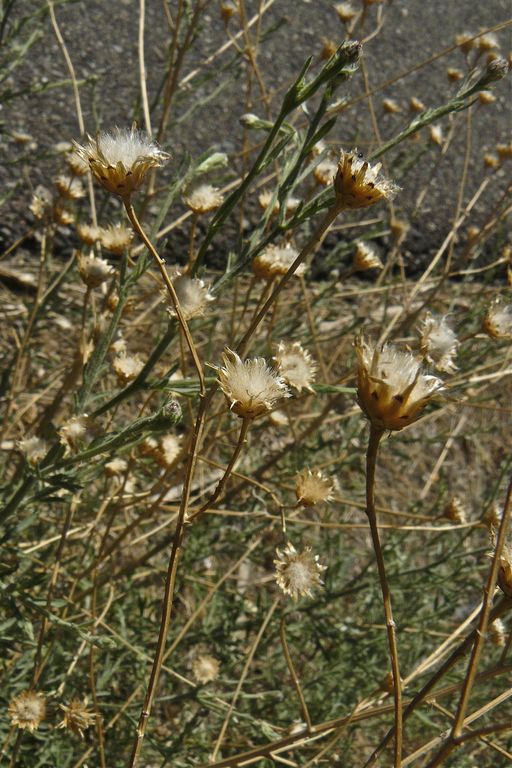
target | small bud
[
  {"x": 390, "y": 106},
  {"x": 415, "y": 105}
]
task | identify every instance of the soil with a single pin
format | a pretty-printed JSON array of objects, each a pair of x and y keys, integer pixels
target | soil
[{"x": 102, "y": 40}]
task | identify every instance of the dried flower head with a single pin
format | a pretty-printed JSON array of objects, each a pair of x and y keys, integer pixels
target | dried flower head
[
  {"x": 203, "y": 198},
  {"x": 416, "y": 105},
  {"x": 329, "y": 48},
  {"x": 486, "y": 97},
  {"x": 391, "y": 388},
  {"x": 127, "y": 367},
  {"x": 345, "y": 11},
  {"x": 275, "y": 261},
  {"x": 488, "y": 42},
  {"x": 504, "y": 151},
  {"x": 491, "y": 161},
  {"x": 454, "y": 74},
  {"x": 250, "y": 386},
  {"x": 357, "y": 184},
  {"x": 116, "y": 238},
  {"x": 120, "y": 160},
  {"x": 455, "y": 510},
  {"x": 88, "y": 233},
  {"x": 227, "y": 9},
  {"x": 465, "y": 41},
  {"x": 295, "y": 365},
  {"x": 366, "y": 257},
  {"x": 62, "y": 215},
  {"x": 436, "y": 134},
  {"x": 116, "y": 467},
  {"x": 92, "y": 270},
  {"x": 169, "y": 450},
  {"x": 497, "y": 632},
  {"x": 312, "y": 487},
  {"x": 390, "y": 106},
  {"x": 205, "y": 668},
  {"x": 75, "y": 430},
  {"x": 77, "y": 165},
  {"x": 265, "y": 198},
  {"x": 298, "y": 573},
  {"x": 325, "y": 172},
  {"x": 27, "y": 710},
  {"x": 438, "y": 343},
  {"x": 69, "y": 188},
  {"x": 497, "y": 322},
  {"x": 193, "y": 295},
  {"x": 77, "y": 718},
  {"x": 41, "y": 205},
  {"x": 505, "y": 564},
  {"x": 34, "y": 449}
]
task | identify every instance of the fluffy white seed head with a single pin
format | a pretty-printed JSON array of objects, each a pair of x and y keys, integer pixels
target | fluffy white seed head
[
  {"x": 204, "y": 198},
  {"x": 120, "y": 159},
  {"x": 193, "y": 295},
  {"x": 298, "y": 573},
  {"x": 438, "y": 342},
  {"x": 251, "y": 386},
  {"x": 295, "y": 365},
  {"x": 392, "y": 390},
  {"x": 497, "y": 322}
]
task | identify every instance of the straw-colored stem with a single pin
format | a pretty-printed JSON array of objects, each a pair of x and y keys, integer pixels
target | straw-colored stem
[
  {"x": 170, "y": 288},
  {"x": 222, "y": 482},
  {"x": 293, "y": 673},
  {"x": 371, "y": 457}
]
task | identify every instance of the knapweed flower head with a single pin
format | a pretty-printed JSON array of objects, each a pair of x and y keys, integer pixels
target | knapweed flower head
[
  {"x": 127, "y": 367},
  {"x": 357, "y": 183},
  {"x": 69, "y": 187},
  {"x": 77, "y": 718},
  {"x": 345, "y": 11},
  {"x": 312, "y": 487},
  {"x": 92, "y": 270},
  {"x": 27, "y": 710},
  {"x": 497, "y": 632},
  {"x": 88, "y": 233},
  {"x": 251, "y": 387},
  {"x": 116, "y": 467},
  {"x": 456, "y": 511},
  {"x": 168, "y": 450},
  {"x": 193, "y": 295},
  {"x": 275, "y": 261},
  {"x": 295, "y": 365},
  {"x": 120, "y": 159},
  {"x": 497, "y": 322},
  {"x": 116, "y": 238},
  {"x": 75, "y": 431},
  {"x": 325, "y": 172},
  {"x": 203, "y": 199},
  {"x": 298, "y": 573},
  {"x": 366, "y": 257},
  {"x": 438, "y": 342},
  {"x": 205, "y": 668},
  {"x": 505, "y": 564},
  {"x": 392, "y": 390},
  {"x": 33, "y": 448}
]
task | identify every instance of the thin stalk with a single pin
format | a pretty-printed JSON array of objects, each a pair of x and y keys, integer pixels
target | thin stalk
[
  {"x": 371, "y": 457},
  {"x": 170, "y": 583},
  {"x": 222, "y": 482},
  {"x": 293, "y": 673},
  {"x": 170, "y": 288}
]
